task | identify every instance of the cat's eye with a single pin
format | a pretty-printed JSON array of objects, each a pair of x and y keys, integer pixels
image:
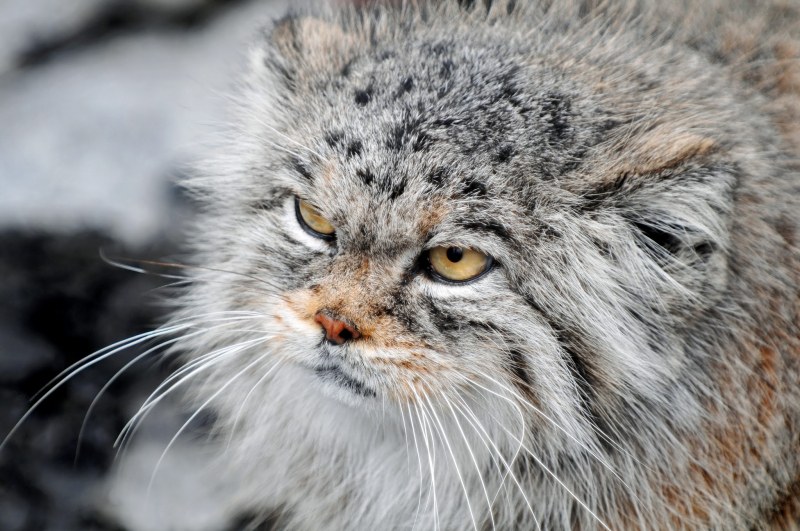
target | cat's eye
[
  {"x": 312, "y": 221},
  {"x": 458, "y": 264}
]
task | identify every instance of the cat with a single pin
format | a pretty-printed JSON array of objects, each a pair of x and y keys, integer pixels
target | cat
[{"x": 506, "y": 265}]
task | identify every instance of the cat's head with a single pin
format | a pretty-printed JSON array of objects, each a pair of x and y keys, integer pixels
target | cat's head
[{"x": 416, "y": 209}]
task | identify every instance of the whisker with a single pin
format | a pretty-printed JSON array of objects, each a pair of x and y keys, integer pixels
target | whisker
[
  {"x": 566, "y": 432},
  {"x": 129, "y": 365},
  {"x": 424, "y": 427},
  {"x": 522, "y": 401},
  {"x": 474, "y": 460},
  {"x": 178, "y": 265},
  {"x": 247, "y": 397},
  {"x": 547, "y": 469},
  {"x": 478, "y": 426},
  {"x": 108, "y": 384},
  {"x": 104, "y": 353},
  {"x": 77, "y": 368},
  {"x": 120, "y": 265},
  {"x": 419, "y": 463},
  {"x": 443, "y": 436},
  {"x": 558, "y": 480},
  {"x": 195, "y": 367},
  {"x": 405, "y": 436},
  {"x": 518, "y": 450},
  {"x": 194, "y": 416},
  {"x": 191, "y": 369}
]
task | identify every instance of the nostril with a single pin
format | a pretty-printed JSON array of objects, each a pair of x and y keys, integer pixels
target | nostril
[{"x": 338, "y": 330}]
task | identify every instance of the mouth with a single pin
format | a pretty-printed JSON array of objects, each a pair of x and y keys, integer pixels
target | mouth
[{"x": 333, "y": 374}]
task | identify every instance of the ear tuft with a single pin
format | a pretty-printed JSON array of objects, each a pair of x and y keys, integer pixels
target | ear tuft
[
  {"x": 299, "y": 48},
  {"x": 662, "y": 150}
]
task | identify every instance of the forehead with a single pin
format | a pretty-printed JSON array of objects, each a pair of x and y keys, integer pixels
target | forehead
[
  {"x": 414, "y": 131},
  {"x": 475, "y": 103}
]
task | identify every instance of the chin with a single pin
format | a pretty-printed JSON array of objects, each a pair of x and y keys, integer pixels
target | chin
[{"x": 335, "y": 383}]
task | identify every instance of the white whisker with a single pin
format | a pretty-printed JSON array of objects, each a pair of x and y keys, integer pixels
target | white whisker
[
  {"x": 478, "y": 427},
  {"x": 443, "y": 436},
  {"x": 194, "y": 368},
  {"x": 474, "y": 460},
  {"x": 247, "y": 397},
  {"x": 194, "y": 416}
]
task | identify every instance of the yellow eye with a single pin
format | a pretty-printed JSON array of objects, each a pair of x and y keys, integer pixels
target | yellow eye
[
  {"x": 458, "y": 264},
  {"x": 311, "y": 220}
]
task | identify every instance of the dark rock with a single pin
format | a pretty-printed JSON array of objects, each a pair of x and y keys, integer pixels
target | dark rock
[{"x": 59, "y": 301}]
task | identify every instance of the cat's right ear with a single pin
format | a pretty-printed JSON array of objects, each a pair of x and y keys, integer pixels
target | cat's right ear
[{"x": 298, "y": 48}]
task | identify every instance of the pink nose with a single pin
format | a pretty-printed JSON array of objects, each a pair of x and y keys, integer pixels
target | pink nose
[{"x": 337, "y": 330}]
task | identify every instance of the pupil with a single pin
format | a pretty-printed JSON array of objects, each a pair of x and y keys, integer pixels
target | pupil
[{"x": 455, "y": 254}]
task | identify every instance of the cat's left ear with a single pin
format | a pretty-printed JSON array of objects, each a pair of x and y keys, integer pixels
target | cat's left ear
[{"x": 298, "y": 48}]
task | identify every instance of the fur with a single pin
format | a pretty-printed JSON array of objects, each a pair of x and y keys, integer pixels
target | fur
[{"x": 632, "y": 360}]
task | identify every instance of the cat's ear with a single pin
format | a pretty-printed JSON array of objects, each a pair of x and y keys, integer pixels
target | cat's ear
[
  {"x": 662, "y": 149},
  {"x": 298, "y": 48}
]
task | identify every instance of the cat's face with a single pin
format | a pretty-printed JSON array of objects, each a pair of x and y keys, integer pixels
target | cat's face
[{"x": 424, "y": 220}]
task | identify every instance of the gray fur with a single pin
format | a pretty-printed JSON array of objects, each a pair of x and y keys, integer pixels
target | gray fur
[{"x": 632, "y": 359}]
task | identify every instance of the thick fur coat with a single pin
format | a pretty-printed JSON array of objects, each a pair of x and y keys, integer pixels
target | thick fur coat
[{"x": 632, "y": 357}]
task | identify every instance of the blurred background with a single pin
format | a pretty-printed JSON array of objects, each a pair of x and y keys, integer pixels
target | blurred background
[{"x": 104, "y": 105}]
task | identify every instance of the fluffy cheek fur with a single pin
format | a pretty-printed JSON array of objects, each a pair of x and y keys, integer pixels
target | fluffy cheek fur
[
  {"x": 571, "y": 349},
  {"x": 506, "y": 367}
]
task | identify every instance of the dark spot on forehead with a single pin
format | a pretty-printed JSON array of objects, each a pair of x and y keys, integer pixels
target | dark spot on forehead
[
  {"x": 354, "y": 149},
  {"x": 406, "y": 131},
  {"x": 505, "y": 153},
  {"x": 362, "y": 97},
  {"x": 405, "y": 87},
  {"x": 509, "y": 90},
  {"x": 443, "y": 121},
  {"x": 603, "y": 248},
  {"x": 440, "y": 48},
  {"x": 397, "y": 189},
  {"x": 366, "y": 176},
  {"x": 550, "y": 233},
  {"x": 391, "y": 188},
  {"x": 421, "y": 142},
  {"x": 473, "y": 187},
  {"x": 438, "y": 176},
  {"x": 555, "y": 111},
  {"x": 333, "y": 138}
]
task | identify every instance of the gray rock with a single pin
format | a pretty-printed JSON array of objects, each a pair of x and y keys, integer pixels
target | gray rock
[{"x": 92, "y": 137}]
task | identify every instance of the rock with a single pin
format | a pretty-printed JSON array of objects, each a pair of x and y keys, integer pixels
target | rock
[
  {"x": 59, "y": 302},
  {"x": 92, "y": 136}
]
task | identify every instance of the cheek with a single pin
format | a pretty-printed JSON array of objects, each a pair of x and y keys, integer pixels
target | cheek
[{"x": 410, "y": 374}]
